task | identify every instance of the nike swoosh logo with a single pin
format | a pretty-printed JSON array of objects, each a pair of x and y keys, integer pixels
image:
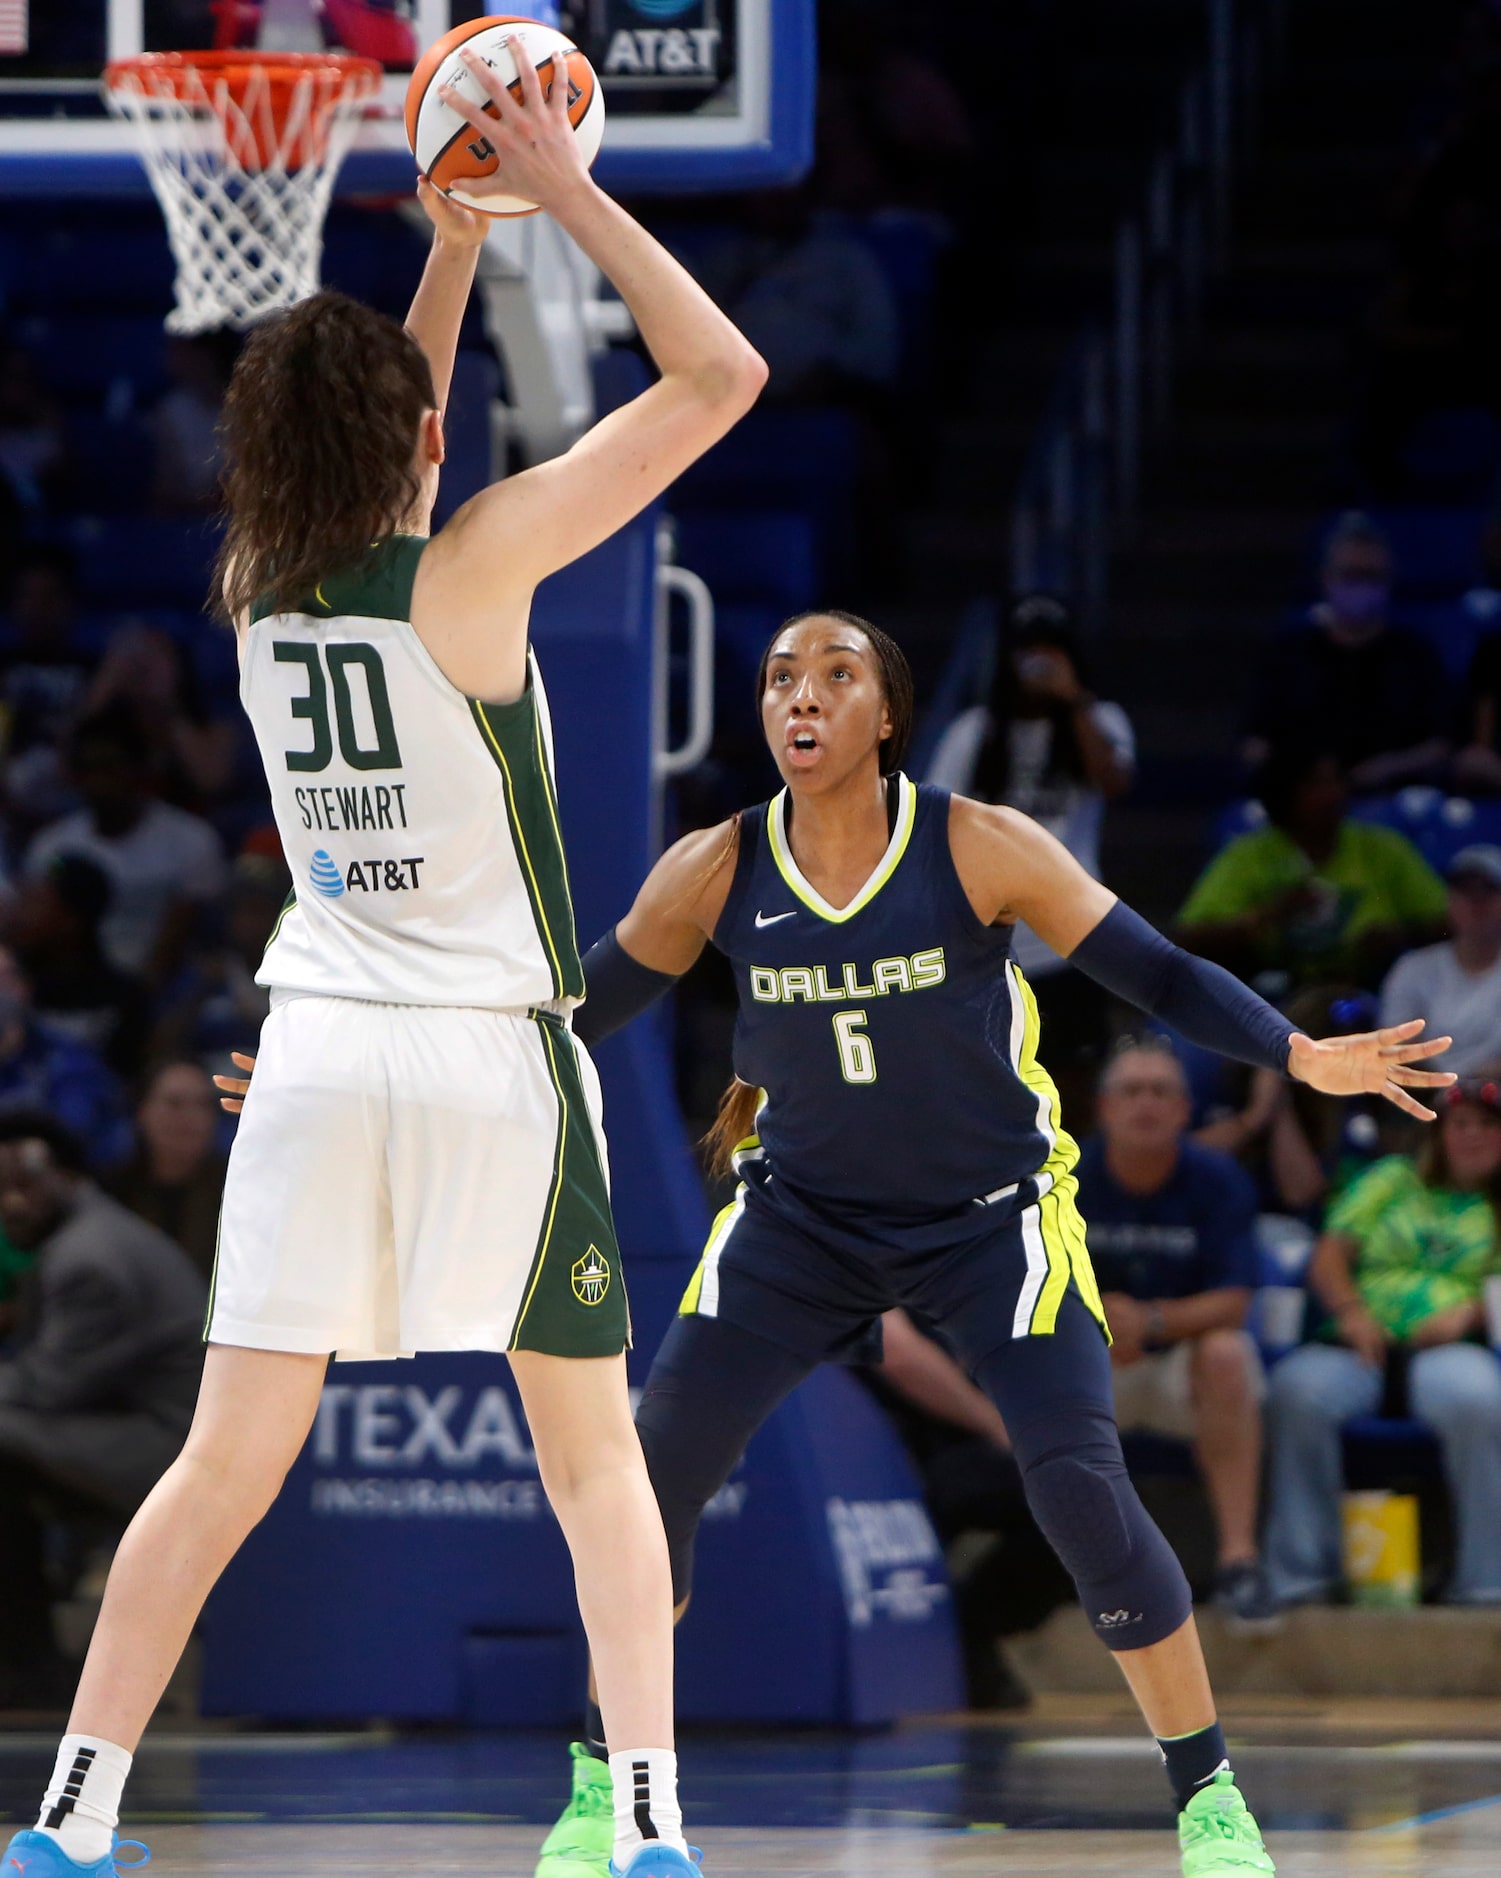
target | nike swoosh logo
[{"x": 763, "y": 919}]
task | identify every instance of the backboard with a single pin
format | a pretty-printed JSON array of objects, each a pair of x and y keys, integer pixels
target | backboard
[{"x": 701, "y": 94}]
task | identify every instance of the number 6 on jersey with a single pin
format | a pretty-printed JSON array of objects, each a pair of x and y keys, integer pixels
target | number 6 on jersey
[{"x": 857, "y": 1054}]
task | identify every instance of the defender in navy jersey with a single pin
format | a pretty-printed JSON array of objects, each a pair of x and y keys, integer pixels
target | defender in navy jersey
[{"x": 899, "y": 1142}]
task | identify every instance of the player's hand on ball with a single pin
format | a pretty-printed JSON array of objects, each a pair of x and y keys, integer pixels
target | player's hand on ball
[
  {"x": 233, "y": 1099},
  {"x": 1377, "y": 1062},
  {"x": 456, "y": 226},
  {"x": 538, "y": 157}
]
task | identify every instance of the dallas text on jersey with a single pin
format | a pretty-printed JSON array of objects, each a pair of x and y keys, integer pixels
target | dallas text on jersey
[{"x": 810, "y": 983}]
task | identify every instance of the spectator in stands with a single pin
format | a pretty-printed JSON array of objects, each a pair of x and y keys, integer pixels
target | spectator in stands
[
  {"x": 1172, "y": 1237},
  {"x": 33, "y": 441},
  {"x": 1400, "y": 1271},
  {"x": 1370, "y": 692},
  {"x": 1456, "y": 985},
  {"x": 43, "y": 1068},
  {"x": 1313, "y": 895},
  {"x": 808, "y": 295},
  {"x": 214, "y": 1005},
  {"x": 163, "y": 863},
  {"x": 44, "y": 673},
  {"x": 150, "y": 675},
  {"x": 97, "y": 1391},
  {"x": 175, "y": 1177},
  {"x": 1045, "y": 744},
  {"x": 185, "y": 422},
  {"x": 74, "y": 987}
]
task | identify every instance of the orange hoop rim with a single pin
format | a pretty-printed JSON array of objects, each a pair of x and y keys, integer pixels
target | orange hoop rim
[{"x": 240, "y": 67}]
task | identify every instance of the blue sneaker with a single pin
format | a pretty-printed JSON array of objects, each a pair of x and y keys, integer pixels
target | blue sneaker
[
  {"x": 651, "y": 1860},
  {"x": 38, "y": 1855}
]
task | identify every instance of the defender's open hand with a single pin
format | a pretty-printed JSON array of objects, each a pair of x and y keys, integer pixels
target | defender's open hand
[{"x": 1377, "y": 1062}]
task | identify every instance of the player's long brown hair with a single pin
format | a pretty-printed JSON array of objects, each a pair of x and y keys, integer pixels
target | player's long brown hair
[
  {"x": 320, "y": 433},
  {"x": 735, "y": 1119}
]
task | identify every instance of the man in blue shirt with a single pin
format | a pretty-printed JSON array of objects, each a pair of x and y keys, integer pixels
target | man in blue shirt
[{"x": 1172, "y": 1236}]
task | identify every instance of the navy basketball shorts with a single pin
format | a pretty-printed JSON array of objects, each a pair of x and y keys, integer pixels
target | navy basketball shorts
[{"x": 816, "y": 1283}]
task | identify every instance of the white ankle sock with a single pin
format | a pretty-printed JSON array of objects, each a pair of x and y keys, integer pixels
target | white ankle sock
[
  {"x": 646, "y": 1800},
  {"x": 81, "y": 1807}
]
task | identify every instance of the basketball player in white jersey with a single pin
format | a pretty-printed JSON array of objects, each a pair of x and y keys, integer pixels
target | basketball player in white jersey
[{"x": 419, "y": 1165}]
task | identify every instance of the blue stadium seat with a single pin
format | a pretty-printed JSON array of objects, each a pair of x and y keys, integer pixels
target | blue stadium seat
[
  {"x": 83, "y": 356},
  {"x": 906, "y": 246},
  {"x": 143, "y": 561},
  {"x": 1439, "y": 825},
  {"x": 466, "y": 430},
  {"x": 1450, "y": 626},
  {"x": 1437, "y": 550},
  {"x": 762, "y": 557},
  {"x": 806, "y": 459},
  {"x": 60, "y": 265},
  {"x": 1454, "y": 456}
]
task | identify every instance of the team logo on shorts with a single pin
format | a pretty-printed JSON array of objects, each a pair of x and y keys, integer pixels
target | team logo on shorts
[
  {"x": 591, "y": 1277},
  {"x": 325, "y": 874}
]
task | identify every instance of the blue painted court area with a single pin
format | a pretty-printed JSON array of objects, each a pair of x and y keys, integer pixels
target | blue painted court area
[{"x": 939, "y": 1779}]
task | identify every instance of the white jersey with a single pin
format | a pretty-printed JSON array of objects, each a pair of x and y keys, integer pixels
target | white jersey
[{"x": 421, "y": 826}]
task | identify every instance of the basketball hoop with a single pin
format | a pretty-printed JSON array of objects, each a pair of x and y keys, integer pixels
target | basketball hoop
[{"x": 242, "y": 149}]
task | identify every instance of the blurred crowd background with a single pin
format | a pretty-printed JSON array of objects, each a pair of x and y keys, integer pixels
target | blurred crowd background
[{"x": 1282, "y": 742}]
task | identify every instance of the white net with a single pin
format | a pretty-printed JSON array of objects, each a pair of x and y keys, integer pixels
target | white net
[{"x": 242, "y": 157}]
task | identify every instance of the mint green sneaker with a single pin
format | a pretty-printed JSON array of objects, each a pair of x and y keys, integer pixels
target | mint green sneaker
[
  {"x": 579, "y": 1846},
  {"x": 1218, "y": 1836}
]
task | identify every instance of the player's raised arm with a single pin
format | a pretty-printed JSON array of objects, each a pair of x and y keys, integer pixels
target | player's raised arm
[
  {"x": 1013, "y": 869},
  {"x": 669, "y": 925},
  {"x": 710, "y": 375},
  {"x": 437, "y": 310}
]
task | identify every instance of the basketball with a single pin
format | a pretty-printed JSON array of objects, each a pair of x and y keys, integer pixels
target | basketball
[{"x": 447, "y": 149}]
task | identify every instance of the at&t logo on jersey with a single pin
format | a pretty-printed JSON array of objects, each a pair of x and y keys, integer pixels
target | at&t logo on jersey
[{"x": 378, "y": 876}]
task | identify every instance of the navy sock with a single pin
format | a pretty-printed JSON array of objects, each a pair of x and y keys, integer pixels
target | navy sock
[
  {"x": 1193, "y": 1761},
  {"x": 594, "y": 1731}
]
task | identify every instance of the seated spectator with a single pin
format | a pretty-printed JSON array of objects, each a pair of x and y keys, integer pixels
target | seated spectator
[
  {"x": 97, "y": 1392},
  {"x": 163, "y": 863},
  {"x": 214, "y": 1005},
  {"x": 1455, "y": 986},
  {"x": 1172, "y": 1236},
  {"x": 1045, "y": 744},
  {"x": 148, "y": 673},
  {"x": 1400, "y": 1271},
  {"x": 175, "y": 1177},
  {"x": 44, "y": 1068},
  {"x": 185, "y": 422},
  {"x": 44, "y": 673},
  {"x": 74, "y": 988},
  {"x": 1313, "y": 895},
  {"x": 1371, "y": 693}
]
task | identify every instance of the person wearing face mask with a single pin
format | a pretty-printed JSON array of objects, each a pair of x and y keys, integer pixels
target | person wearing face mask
[
  {"x": 1043, "y": 743},
  {"x": 1370, "y": 692}
]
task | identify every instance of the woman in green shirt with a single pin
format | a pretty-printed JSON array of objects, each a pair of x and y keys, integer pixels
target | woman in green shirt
[{"x": 1401, "y": 1270}]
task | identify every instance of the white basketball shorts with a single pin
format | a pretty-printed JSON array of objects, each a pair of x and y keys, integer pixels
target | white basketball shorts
[{"x": 410, "y": 1177}]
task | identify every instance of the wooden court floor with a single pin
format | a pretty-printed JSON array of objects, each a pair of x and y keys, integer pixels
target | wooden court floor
[{"x": 1462, "y": 1848}]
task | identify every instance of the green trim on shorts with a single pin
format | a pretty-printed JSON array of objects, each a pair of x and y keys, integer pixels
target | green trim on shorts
[
  {"x": 574, "y": 1303},
  {"x": 213, "y": 1277},
  {"x": 512, "y": 733}
]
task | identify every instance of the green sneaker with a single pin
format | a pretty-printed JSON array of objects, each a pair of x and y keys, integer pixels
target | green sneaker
[
  {"x": 1218, "y": 1837},
  {"x": 579, "y": 1846}
]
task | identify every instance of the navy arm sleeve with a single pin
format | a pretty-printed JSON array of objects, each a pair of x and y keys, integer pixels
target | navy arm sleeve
[
  {"x": 616, "y": 990},
  {"x": 1201, "y": 1001}
]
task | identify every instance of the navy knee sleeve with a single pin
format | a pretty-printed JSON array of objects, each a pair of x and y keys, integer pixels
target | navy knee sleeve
[{"x": 1129, "y": 1580}]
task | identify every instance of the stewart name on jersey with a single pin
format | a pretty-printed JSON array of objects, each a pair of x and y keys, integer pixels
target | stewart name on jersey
[
  {"x": 895, "y": 1039},
  {"x": 421, "y": 826}
]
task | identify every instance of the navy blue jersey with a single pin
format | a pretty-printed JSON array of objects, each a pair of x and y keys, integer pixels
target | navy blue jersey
[
  {"x": 1196, "y": 1233},
  {"x": 895, "y": 1039}
]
